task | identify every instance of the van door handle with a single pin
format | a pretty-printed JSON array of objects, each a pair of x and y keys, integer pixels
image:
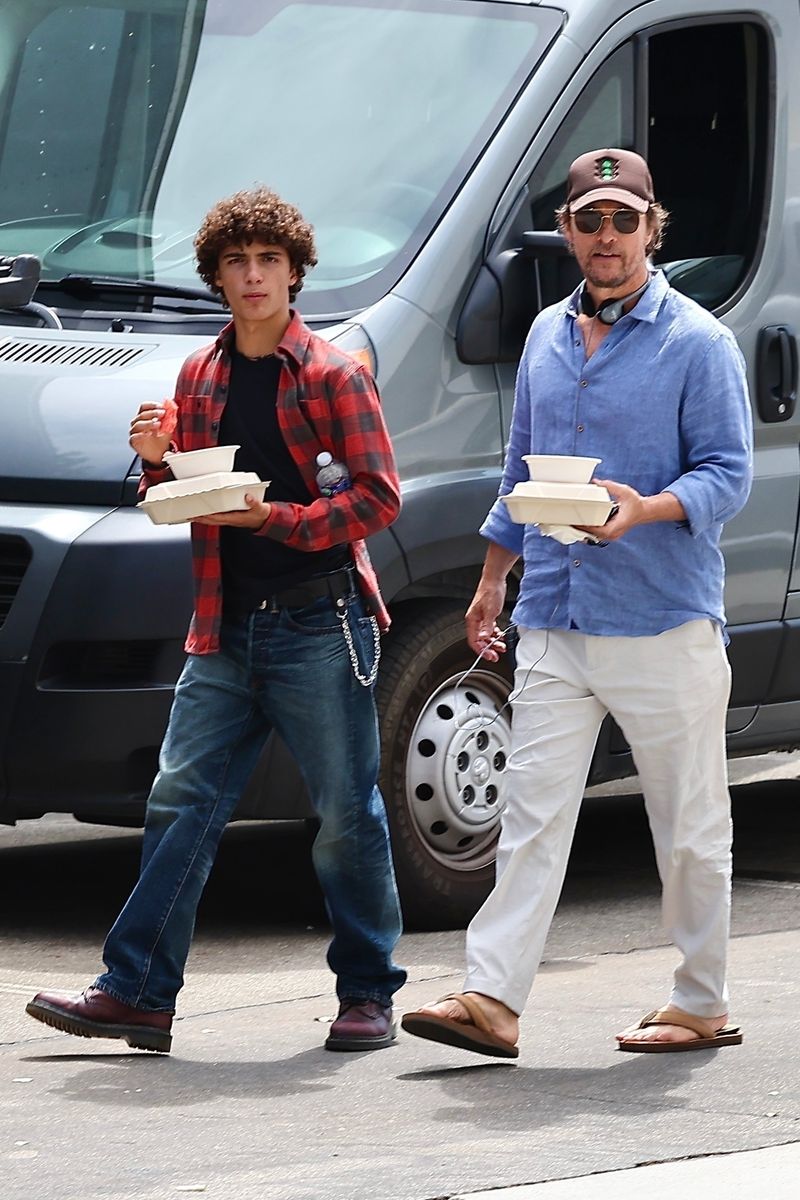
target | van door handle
[{"x": 776, "y": 368}]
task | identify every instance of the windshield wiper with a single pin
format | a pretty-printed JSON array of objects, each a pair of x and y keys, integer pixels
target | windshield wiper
[{"x": 84, "y": 285}]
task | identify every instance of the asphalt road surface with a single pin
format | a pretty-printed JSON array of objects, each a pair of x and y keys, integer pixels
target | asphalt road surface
[{"x": 63, "y": 882}]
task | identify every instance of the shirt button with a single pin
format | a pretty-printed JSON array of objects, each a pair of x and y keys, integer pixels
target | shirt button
[
  {"x": 580, "y": 429},
  {"x": 215, "y": 425},
  {"x": 584, "y": 383},
  {"x": 576, "y": 562}
]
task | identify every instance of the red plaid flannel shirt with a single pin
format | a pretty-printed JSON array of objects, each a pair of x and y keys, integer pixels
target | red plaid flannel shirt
[{"x": 326, "y": 401}]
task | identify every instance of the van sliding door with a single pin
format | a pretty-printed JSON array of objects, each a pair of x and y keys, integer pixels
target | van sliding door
[{"x": 696, "y": 97}]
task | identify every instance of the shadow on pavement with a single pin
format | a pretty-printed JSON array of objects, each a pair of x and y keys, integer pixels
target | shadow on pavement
[{"x": 161, "y": 1081}]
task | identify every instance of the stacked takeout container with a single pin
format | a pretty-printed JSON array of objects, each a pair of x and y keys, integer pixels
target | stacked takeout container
[
  {"x": 204, "y": 483},
  {"x": 559, "y": 492}
]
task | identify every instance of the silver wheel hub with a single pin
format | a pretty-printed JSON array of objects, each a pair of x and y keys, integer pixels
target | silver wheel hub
[
  {"x": 456, "y": 762},
  {"x": 481, "y": 771}
]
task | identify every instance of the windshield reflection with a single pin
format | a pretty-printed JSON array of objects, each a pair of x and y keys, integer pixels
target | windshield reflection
[{"x": 120, "y": 126}]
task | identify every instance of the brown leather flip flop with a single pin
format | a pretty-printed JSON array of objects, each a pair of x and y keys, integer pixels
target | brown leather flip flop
[
  {"x": 707, "y": 1037},
  {"x": 475, "y": 1034}
]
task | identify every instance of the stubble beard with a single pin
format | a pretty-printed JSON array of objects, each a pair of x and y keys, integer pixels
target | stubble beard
[{"x": 605, "y": 281}]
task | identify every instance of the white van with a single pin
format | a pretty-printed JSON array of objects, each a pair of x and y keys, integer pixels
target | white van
[{"x": 428, "y": 142}]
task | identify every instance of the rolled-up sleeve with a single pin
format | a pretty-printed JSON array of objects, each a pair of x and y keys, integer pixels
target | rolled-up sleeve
[{"x": 716, "y": 436}]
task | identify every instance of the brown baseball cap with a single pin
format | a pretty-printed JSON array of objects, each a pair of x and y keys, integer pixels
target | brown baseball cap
[{"x": 610, "y": 175}]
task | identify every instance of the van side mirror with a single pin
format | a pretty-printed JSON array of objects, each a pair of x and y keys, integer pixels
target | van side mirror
[
  {"x": 505, "y": 297},
  {"x": 19, "y": 279}
]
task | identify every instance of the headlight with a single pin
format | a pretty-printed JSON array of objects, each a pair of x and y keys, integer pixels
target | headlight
[{"x": 353, "y": 339}]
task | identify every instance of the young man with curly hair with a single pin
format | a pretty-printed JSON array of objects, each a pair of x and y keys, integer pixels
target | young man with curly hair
[{"x": 283, "y": 637}]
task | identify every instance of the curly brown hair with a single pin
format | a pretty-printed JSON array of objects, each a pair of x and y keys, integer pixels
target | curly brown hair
[
  {"x": 657, "y": 218},
  {"x": 254, "y": 215}
]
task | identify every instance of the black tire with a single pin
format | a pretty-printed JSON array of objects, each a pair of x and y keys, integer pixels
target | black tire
[{"x": 444, "y": 752}]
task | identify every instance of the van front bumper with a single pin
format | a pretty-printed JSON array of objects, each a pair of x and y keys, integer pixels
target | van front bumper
[{"x": 90, "y": 647}]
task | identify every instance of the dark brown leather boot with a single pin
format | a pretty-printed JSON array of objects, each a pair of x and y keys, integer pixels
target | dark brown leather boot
[
  {"x": 361, "y": 1025},
  {"x": 93, "y": 1013}
]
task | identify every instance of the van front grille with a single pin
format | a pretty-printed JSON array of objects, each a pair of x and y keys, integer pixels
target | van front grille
[
  {"x": 30, "y": 351},
  {"x": 15, "y": 554}
]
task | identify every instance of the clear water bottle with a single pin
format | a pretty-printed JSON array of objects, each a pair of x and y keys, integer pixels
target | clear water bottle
[{"x": 332, "y": 476}]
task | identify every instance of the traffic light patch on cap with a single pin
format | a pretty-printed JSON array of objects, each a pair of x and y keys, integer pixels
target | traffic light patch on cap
[{"x": 607, "y": 168}]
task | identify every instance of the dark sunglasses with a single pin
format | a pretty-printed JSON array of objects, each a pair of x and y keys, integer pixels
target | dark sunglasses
[{"x": 590, "y": 220}]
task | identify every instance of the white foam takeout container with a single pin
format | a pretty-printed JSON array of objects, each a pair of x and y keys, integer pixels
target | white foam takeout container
[
  {"x": 189, "y": 464},
  {"x": 560, "y": 468},
  {"x": 184, "y": 499},
  {"x": 558, "y": 504}
]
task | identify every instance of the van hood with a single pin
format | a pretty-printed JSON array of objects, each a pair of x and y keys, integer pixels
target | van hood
[{"x": 66, "y": 403}]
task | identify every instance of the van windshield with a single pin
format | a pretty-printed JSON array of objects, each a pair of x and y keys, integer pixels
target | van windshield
[{"x": 123, "y": 121}]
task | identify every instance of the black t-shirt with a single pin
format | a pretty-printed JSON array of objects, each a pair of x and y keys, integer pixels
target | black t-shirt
[{"x": 254, "y": 567}]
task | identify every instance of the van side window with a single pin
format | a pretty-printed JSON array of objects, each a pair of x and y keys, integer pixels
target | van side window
[
  {"x": 706, "y": 134},
  {"x": 602, "y": 116},
  {"x": 707, "y": 145}
]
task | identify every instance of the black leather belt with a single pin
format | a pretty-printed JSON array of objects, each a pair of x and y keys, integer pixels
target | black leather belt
[{"x": 337, "y": 585}]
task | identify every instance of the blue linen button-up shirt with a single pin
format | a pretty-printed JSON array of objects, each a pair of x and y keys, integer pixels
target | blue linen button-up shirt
[{"x": 663, "y": 404}]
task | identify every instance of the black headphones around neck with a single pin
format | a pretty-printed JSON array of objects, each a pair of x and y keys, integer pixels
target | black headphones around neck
[{"x": 610, "y": 311}]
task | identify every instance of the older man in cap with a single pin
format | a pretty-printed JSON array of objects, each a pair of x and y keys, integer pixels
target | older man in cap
[{"x": 627, "y": 619}]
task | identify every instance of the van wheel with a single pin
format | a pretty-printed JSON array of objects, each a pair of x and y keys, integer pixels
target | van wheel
[{"x": 445, "y": 746}]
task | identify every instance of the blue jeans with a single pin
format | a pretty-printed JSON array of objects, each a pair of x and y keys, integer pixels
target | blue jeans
[{"x": 290, "y": 671}]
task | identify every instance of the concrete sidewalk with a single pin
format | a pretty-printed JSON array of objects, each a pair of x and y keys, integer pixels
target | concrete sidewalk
[
  {"x": 250, "y": 1107},
  {"x": 752, "y": 1175}
]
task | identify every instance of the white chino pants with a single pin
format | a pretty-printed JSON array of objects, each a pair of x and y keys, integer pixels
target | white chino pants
[{"x": 669, "y": 696}]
